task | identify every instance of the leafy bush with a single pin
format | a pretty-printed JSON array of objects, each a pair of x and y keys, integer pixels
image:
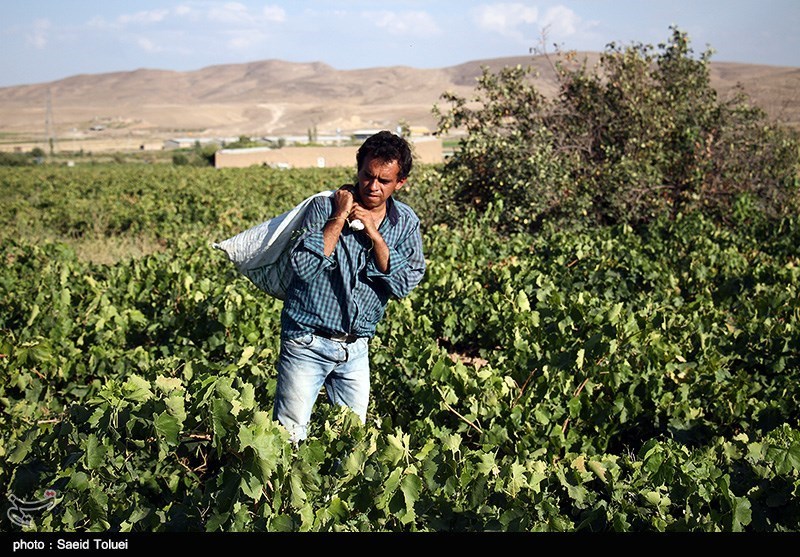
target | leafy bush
[
  {"x": 199, "y": 155},
  {"x": 17, "y": 159},
  {"x": 610, "y": 379},
  {"x": 642, "y": 135}
]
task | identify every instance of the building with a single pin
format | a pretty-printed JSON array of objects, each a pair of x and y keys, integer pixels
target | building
[
  {"x": 361, "y": 135},
  {"x": 189, "y": 142},
  {"x": 427, "y": 150},
  {"x": 303, "y": 139}
]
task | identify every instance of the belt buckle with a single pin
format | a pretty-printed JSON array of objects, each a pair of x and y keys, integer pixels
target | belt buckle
[{"x": 340, "y": 337}]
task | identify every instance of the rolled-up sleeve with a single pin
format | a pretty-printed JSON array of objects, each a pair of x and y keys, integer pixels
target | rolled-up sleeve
[
  {"x": 308, "y": 255},
  {"x": 406, "y": 264}
]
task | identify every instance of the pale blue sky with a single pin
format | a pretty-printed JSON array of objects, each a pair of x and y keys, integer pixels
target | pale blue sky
[{"x": 45, "y": 40}]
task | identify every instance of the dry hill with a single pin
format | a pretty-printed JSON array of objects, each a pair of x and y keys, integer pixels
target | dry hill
[{"x": 272, "y": 97}]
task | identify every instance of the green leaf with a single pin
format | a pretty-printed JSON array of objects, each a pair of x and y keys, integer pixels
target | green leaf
[
  {"x": 248, "y": 396},
  {"x": 282, "y": 523},
  {"x": 598, "y": 469},
  {"x": 354, "y": 463},
  {"x": 538, "y": 475},
  {"x": 487, "y": 464},
  {"x": 22, "y": 449},
  {"x": 440, "y": 370},
  {"x": 390, "y": 485},
  {"x": 79, "y": 481},
  {"x": 337, "y": 510},
  {"x": 34, "y": 313},
  {"x": 138, "y": 514},
  {"x": 267, "y": 446},
  {"x": 97, "y": 415},
  {"x": 137, "y": 389},
  {"x": 251, "y": 486},
  {"x": 577, "y": 493},
  {"x": 175, "y": 406},
  {"x": 247, "y": 353},
  {"x": 221, "y": 417},
  {"x": 574, "y": 406},
  {"x": 411, "y": 486},
  {"x": 168, "y": 384},
  {"x": 613, "y": 315},
  {"x": 41, "y": 351},
  {"x": 523, "y": 304},
  {"x": 542, "y": 415},
  {"x": 652, "y": 497},
  {"x": 785, "y": 459},
  {"x": 136, "y": 316},
  {"x": 167, "y": 427},
  {"x": 396, "y": 448},
  {"x": 216, "y": 521},
  {"x": 71, "y": 516},
  {"x": 755, "y": 451},
  {"x": 741, "y": 513},
  {"x": 95, "y": 452},
  {"x": 225, "y": 389},
  {"x": 298, "y": 494},
  {"x": 517, "y": 479},
  {"x": 451, "y": 443}
]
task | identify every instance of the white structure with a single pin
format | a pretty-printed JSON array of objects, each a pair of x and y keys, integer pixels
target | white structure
[
  {"x": 303, "y": 139},
  {"x": 189, "y": 142},
  {"x": 427, "y": 150}
]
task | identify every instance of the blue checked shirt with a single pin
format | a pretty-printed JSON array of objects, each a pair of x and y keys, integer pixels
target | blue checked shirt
[{"x": 345, "y": 292}]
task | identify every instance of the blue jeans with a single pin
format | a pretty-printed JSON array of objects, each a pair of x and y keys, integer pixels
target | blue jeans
[{"x": 306, "y": 364}]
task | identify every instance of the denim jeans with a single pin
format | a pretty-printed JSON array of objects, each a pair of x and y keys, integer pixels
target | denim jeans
[{"x": 306, "y": 364}]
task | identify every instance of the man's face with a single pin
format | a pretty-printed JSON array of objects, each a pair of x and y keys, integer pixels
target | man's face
[{"x": 377, "y": 181}]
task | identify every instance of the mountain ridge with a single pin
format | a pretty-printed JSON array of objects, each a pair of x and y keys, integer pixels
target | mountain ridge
[{"x": 277, "y": 97}]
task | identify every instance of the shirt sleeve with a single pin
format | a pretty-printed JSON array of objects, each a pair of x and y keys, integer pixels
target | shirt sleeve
[
  {"x": 308, "y": 256},
  {"x": 406, "y": 264}
]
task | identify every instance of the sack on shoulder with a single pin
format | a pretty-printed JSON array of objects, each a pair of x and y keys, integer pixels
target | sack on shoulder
[{"x": 261, "y": 253}]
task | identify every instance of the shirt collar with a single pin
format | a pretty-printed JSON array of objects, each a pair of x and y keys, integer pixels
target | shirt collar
[{"x": 391, "y": 212}]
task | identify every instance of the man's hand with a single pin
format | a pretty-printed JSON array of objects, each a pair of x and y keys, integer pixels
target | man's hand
[
  {"x": 343, "y": 200},
  {"x": 362, "y": 214},
  {"x": 380, "y": 250}
]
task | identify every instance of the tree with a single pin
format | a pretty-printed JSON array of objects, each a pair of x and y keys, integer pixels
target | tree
[{"x": 641, "y": 135}]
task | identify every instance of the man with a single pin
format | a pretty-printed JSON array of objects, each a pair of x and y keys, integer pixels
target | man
[{"x": 343, "y": 280}]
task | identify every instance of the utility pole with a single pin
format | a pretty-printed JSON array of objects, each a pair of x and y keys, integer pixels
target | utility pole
[{"x": 49, "y": 128}]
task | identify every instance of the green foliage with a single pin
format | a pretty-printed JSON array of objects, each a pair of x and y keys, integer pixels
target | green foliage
[
  {"x": 199, "y": 155},
  {"x": 616, "y": 379},
  {"x": 180, "y": 159},
  {"x": 244, "y": 142},
  {"x": 162, "y": 201},
  {"x": 37, "y": 154},
  {"x": 640, "y": 136}
]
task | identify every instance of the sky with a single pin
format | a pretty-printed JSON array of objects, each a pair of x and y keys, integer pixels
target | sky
[{"x": 47, "y": 40}]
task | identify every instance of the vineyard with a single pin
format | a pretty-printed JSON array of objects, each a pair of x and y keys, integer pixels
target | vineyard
[{"x": 588, "y": 379}]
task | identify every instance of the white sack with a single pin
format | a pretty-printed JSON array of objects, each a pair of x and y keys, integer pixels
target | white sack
[{"x": 261, "y": 253}]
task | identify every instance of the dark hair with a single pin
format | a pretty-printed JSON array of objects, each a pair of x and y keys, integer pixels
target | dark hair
[{"x": 386, "y": 146}]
